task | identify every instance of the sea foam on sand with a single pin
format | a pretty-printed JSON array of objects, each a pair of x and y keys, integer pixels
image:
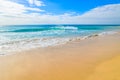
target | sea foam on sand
[
  {"x": 90, "y": 59},
  {"x": 19, "y": 45}
]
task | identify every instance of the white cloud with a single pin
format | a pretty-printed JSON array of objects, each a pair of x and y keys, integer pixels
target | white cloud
[
  {"x": 12, "y": 8},
  {"x": 106, "y": 11},
  {"x": 36, "y": 2},
  {"x": 15, "y": 13},
  {"x": 108, "y": 14}
]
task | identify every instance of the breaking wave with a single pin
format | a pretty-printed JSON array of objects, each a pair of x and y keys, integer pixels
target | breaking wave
[{"x": 9, "y": 46}]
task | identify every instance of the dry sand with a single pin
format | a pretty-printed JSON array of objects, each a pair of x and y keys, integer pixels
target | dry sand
[
  {"x": 91, "y": 59},
  {"x": 108, "y": 70}
]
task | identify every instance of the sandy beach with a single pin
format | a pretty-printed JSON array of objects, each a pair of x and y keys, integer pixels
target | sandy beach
[{"x": 91, "y": 59}]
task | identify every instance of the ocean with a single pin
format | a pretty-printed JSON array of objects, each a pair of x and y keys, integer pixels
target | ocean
[{"x": 24, "y": 37}]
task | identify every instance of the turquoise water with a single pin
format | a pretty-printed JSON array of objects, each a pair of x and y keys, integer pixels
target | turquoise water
[
  {"x": 35, "y": 31},
  {"x": 32, "y": 36}
]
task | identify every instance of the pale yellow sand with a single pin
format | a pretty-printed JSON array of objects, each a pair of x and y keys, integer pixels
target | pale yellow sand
[
  {"x": 108, "y": 70},
  {"x": 85, "y": 60}
]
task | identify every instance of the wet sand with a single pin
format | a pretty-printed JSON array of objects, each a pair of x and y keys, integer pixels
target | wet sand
[{"x": 88, "y": 59}]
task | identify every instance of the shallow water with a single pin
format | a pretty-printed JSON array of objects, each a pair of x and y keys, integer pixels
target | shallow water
[{"x": 23, "y": 37}]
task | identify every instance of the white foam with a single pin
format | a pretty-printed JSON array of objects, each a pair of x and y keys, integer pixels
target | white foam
[
  {"x": 30, "y": 44},
  {"x": 67, "y": 27},
  {"x": 26, "y": 44},
  {"x": 3, "y": 39},
  {"x": 107, "y": 33}
]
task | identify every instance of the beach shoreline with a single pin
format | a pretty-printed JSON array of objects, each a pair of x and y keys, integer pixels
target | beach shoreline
[
  {"x": 23, "y": 38},
  {"x": 76, "y": 60}
]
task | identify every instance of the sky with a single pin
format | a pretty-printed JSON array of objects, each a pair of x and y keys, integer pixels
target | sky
[{"x": 25, "y": 12}]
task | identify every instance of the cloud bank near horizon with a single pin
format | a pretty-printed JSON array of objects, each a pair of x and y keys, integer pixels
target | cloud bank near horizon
[{"x": 13, "y": 13}]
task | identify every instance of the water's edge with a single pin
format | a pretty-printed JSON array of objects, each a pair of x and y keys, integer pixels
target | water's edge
[{"x": 27, "y": 44}]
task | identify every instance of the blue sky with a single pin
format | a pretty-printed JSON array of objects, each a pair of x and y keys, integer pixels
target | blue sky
[
  {"x": 79, "y": 6},
  {"x": 64, "y": 6},
  {"x": 60, "y": 11}
]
